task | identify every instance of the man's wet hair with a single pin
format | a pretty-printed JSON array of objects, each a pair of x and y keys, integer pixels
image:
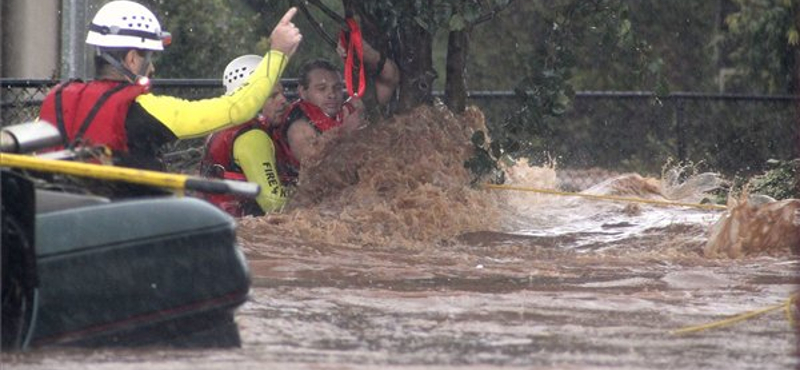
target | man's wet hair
[{"x": 312, "y": 65}]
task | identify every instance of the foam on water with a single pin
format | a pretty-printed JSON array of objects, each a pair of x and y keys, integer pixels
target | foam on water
[{"x": 598, "y": 224}]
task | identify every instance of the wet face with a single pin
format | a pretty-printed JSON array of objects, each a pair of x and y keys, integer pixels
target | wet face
[
  {"x": 324, "y": 90},
  {"x": 275, "y": 105}
]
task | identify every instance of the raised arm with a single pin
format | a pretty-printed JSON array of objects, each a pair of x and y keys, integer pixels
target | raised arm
[
  {"x": 187, "y": 119},
  {"x": 387, "y": 78}
]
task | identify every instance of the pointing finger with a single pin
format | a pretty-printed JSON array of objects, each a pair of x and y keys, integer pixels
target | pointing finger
[{"x": 288, "y": 16}]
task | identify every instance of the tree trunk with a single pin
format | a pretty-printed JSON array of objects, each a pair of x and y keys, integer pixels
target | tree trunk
[
  {"x": 795, "y": 87},
  {"x": 415, "y": 61},
  {"x": 795, "y": 90},
  {"x": 455, "y": 92}
]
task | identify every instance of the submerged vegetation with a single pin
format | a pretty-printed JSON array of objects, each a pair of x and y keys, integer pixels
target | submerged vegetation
[{"x": 782, "y": 181}]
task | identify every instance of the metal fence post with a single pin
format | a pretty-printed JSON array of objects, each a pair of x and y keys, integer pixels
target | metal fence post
[
  {"x": 680, "y": 137},
  {"x": 73, "y": 50}
]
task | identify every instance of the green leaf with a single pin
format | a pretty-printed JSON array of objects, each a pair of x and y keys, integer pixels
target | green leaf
[
  {"x": 472, "y": 12},
  {"x": 421, "y": 22},
  {"x": 793, "y": 37},
  {"x": 457, "y": 23},
  {"x": 655, "y": 66}
]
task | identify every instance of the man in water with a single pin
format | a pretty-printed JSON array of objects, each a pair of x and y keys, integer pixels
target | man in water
[{"x": 321, "y": 107}]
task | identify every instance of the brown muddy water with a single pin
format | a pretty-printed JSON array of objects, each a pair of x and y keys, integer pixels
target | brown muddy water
[
  {"x": 491, "y": 300},
  {"x": 395, "y": 263}
]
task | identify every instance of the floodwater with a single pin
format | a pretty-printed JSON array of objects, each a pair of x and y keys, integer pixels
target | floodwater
[{"x": 390, "y": 261}]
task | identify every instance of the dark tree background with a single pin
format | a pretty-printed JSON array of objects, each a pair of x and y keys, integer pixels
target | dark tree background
[{"x": 543, "y": 50}]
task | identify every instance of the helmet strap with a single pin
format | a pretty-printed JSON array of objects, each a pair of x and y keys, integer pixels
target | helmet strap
[
  {"x": 148, "y": 55},
  {"x": 140, "y": 78}
]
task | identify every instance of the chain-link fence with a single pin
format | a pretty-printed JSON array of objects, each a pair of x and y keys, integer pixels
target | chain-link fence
[
  {"x": 20, "y": 99},
  {"x": 734, "y": 135},
  {"x": 602, "y": 134}
]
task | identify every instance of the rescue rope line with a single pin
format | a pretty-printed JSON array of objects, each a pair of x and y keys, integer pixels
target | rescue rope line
[
  {"x": 605, "y": 197},
  {"x": 786, "y": 306}
]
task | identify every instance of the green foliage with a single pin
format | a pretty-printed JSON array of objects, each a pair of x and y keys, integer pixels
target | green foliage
[
  {"x": 314, "y": 44},
  {"x": 545, "y": 51},
  {"x": 544, "y": 90},
  {"x": 206, "y": 35},
  {"x": 782, "y": 181},
  {"x": 680, "y": 49},
  {"x": 682, "y": 52},
  {"x": 434, "y": 15},
  {"x": 483, "y": 165},
  {"x": 764, "y": 38}
]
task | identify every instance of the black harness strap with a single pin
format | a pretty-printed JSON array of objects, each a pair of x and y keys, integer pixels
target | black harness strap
[
  {"x": 316, "y": 25},
  {"x": 92, "y": 113},
  {"x": 60, "y": 115}
]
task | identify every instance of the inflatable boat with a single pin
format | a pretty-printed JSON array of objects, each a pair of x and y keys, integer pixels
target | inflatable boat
[{"x": 86, "y": 270}]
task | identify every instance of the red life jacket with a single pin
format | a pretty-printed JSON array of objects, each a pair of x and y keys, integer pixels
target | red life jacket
[
  {"x": 288, "y": 164},
  {"x": 219, "y": 149},
  {"x": 233, "y": 205},
  {"x": 218, "y": 162},
  {"x": 91, "y": 113}
]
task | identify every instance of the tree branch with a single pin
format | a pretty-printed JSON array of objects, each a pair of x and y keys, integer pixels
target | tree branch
[
  {"x": 317, "y": 25},
  {"x": 330, "y": 13},
  {"x": 491, "y": 14},
  {"x": 258, "y": 6}
]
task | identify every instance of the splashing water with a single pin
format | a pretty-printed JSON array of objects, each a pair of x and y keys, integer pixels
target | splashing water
[
  {"x": 403, "y": 184},
  {"x": 755, "y": 225},
  {"x": 386, "y": 233},
  {"x": 615, "y": 227},
  {"x": 399, "y": 184}
]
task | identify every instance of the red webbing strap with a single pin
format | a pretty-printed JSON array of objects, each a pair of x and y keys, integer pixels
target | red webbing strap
[{"x": 354, "y": 49}]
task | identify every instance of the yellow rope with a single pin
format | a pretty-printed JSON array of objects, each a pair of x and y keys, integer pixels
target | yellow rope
[
  {"x": 605, "y": 197},
  {"x": 145, "y": 177},
  {"x": 789, "y": 312},
  {"x": 787, "y": 306}
]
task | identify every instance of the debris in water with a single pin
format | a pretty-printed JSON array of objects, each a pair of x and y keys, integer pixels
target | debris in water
[{"x": 756, "y": 225}]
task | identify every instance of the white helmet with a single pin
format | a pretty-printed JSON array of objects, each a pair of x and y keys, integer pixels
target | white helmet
[
  {"x": 126, "y": 24},
  {"x": 238, "y": 70}
]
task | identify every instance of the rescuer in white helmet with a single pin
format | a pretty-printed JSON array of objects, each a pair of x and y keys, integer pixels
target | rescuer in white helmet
[
  {"x": 246, "y": 152},
  {"x": 117, "y": 110}
]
